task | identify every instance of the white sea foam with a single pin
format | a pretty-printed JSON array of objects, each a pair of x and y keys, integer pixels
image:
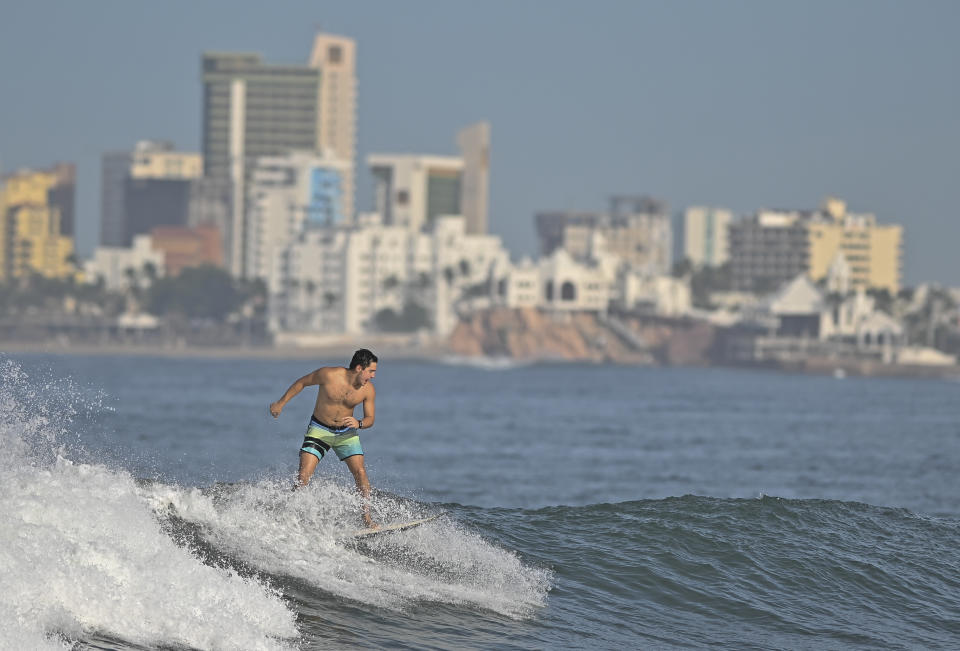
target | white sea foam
[
  {"x": 305, "y": 534},
  {"x": 81, "y": 552}
]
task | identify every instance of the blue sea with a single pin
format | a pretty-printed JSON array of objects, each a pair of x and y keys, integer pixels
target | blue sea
[{"x": 145, "y": 503}]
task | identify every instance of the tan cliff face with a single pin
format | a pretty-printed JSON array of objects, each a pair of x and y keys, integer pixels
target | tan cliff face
[{"x": 530, "y": 334}]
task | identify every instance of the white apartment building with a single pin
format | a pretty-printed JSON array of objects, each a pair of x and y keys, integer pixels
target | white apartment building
[
  {"x": 662, "y": 295},
  {"x": 706, "y": 240},
  {"x": 554, "y": 282},
  {"x": 120, "y": 267},
  {"x": 413, "y": 190},
  {"x": 287, "y": 195},
  {"x": 335, "y": 280}
]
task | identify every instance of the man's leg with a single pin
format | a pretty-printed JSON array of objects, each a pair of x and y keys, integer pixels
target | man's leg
[
  {"x": 356, "y": 466},
  {"x": 308, "y": 463}
]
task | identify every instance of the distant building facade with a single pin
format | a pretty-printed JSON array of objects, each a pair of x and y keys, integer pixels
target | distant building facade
[
  {"x": 873, "y": 251},
  {"x": 184, "y": 246},
  {"x": 636, "y": 229},
  {"x": 474, "y": 143},
  {"x": 155, "y": 185},
  {"x": 705, "y": 235},
  {"x": 120, "y": 268},
  {"x": 412, "y": 190},
  {"x": 37, "y": 223},
  {"x": 252, "y": 109},
  {"x": 336, "y": 59},
  {"x": 772, "y": 247},
  {"x": 288, "y": 195},
  {"x": 336, "y": 280}
]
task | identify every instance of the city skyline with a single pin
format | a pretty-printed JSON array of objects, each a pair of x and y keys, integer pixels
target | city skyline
[{"x": 739, "y": 105}]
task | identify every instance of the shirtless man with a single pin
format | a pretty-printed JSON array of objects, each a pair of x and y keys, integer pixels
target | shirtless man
[{"x": 332, "y": 424}]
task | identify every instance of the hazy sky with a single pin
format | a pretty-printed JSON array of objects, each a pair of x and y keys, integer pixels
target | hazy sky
[{"x": 734, "y": 104}]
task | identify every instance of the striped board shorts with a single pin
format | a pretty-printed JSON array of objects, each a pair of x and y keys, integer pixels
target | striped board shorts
[{"x": 319, "y": 438}]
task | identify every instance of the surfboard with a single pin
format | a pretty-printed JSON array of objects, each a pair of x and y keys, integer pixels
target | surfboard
[{"x": 393, "y": 528}]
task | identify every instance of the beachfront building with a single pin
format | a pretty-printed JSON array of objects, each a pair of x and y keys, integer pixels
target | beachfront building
[
  {"x": 660, "y": 295},
  {"x": 556, "y": 283},
  {"x": 360, "y": 278},
  {"x": 120, "y": 267},
  {"x": 873, "y": 251},
  {"x": 37, "y": 223},
  {"x": 572, "y": 285},
  {"x": 800, "y": 322},
  {"x": 771, "y": 247}
]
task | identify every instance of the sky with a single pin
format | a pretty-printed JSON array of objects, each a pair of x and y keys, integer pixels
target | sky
[{"x": 736, "y": 104}]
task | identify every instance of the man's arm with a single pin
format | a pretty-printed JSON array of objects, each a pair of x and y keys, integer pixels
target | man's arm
[
  {"x": 369, "y": 408},
  {"x": 295, "y": 388}
]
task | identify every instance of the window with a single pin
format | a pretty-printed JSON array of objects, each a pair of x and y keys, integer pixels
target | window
[{"x": 334, "y": 54}]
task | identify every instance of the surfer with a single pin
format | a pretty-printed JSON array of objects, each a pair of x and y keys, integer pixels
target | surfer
[{"x": 332, "y": 424}]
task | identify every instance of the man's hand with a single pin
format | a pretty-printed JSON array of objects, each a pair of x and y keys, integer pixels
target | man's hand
[
  {"x": 275, "y": 408},
  {"x": 349, "y": 421}
]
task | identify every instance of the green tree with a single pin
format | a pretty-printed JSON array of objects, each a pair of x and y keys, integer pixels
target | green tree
[
  {"x": 413, "y": 317},
  {"x": 204, "y": 292}
]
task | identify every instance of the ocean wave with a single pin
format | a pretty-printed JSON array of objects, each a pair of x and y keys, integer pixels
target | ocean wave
[
  {"x": 82, "y": 553},
  {"x": 792, "y": 569},
  {"x": 303, "y": 536}
]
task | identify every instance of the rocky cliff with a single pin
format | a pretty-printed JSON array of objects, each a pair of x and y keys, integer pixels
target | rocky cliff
[{"x": 531, "y": 334}]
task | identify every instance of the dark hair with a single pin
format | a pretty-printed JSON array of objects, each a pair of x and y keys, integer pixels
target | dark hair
[{"x": 362, "y": 358}]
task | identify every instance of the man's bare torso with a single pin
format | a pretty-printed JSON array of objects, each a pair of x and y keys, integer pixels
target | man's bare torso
[{"x": 336, "y": 397}]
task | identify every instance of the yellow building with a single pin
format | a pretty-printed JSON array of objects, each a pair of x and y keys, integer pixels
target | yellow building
[
  {"x": 872, "y": 251},
  {"x": 32, "y": 238}
]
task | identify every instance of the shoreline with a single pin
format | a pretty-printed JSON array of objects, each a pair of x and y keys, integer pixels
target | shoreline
[
  {"x": 219, "y": 352},
  {"x": 436, "y": 353}
]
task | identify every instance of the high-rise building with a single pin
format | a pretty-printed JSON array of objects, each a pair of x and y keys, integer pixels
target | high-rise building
[
  {"x": 152, "y": 185},
  {"x": 253, "y": 109},
  {"x": 705, "y": 236},
  {"x": 412, "y": 190},
  {"x": 772, "y": 247},
  {"x": 474, "y": 142},
  {"x": 336, "y": 58},
  {"x": 768, "y": 249},
  {"x": 115, "y": 170},
  {"x": 873, "y": 251},
  {"x": 286, "y": 196},
  {"x": 37, "y": 223}
]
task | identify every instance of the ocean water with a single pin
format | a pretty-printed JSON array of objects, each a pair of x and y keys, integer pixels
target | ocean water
[{"x": 145, "y": 503}]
